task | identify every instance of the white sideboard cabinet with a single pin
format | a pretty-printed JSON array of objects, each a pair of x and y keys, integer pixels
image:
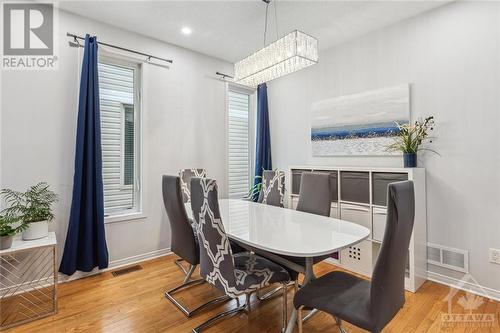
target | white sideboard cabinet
[{"x": 359, "y": 195}]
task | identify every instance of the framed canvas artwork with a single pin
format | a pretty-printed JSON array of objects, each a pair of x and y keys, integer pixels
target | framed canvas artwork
[{"x": 359, "y": 124}]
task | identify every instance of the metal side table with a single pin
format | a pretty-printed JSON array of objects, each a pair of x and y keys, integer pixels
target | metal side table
[{"x": 28, "y": 281}]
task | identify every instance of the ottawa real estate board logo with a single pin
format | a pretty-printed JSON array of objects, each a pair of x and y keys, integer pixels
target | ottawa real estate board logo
[
  {"x": 28, "y": 36},
  {"x": 468, "y": 309}
]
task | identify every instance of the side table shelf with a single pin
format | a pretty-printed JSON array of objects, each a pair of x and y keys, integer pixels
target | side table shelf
[{"x": 28, "y": 281}]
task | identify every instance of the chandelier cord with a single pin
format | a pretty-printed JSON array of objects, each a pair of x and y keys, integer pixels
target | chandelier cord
[
  {"x": 275, "y": 20},
  {"x": 265, "y": 24}
]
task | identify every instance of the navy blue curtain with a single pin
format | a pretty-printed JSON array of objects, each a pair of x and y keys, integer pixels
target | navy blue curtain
[
  {"x": 85, "y": 246},
  {"x": 263, "y": 137}
]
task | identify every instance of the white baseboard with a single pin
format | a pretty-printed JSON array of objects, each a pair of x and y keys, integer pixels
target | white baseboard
[
  {"x": 451, "y": 282},
  {"x": 464, "y": 285},
  {"x": 116, "y": 264}
]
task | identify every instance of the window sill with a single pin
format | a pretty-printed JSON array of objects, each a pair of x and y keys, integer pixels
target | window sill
[{"x": 124, "y": 217}]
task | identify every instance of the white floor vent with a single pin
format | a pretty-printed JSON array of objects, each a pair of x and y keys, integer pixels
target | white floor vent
[{"x": 448, "y": 257}]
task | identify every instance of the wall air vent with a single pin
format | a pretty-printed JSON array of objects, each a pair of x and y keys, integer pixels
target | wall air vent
[
  {"x": 126, "y": 270},
  {"x": 448, "y": 257}
]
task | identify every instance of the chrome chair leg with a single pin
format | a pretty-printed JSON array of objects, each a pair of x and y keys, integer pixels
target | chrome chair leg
[
  {"x": 284, "y": 319},
  {"x": 187, "y": 283},
  {"x": 247, "y": 302},
  {"x": 299, "y": 319},
  {"x": 270, "y": 293},
  {"x": 245, "y": 307},
  {"x": 267, "y": 295},
  {"x": 338, "y": 321},
  {"x": 313, "y": 312},
  {"x": 178, "y": 263},
  {"x": 221, "y": 315}
]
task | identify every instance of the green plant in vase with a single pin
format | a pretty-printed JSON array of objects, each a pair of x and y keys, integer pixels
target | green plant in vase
[
  {"x": 9, "y": 226},
  {"x": 254, "y": 191},
  {"x": 410, "y": 139},
  {"x": 34, "y": 208}
]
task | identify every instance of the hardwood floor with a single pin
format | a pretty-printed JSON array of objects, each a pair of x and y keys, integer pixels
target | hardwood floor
[{"x": 135, "y": 302}]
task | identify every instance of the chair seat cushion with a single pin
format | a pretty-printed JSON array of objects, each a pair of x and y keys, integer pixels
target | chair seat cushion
[
  {"x": 253, "y": 272},
  {"x": 340, "y": 294},
  {"x": 236, "y": 247}
]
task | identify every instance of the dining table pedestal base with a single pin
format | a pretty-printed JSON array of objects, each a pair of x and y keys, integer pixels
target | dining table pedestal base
[{"x": 308, "y": 277}]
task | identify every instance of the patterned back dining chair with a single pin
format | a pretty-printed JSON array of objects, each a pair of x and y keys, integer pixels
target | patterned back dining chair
[
  {"x": 183, "y": 243},
  {"x": 370, "y": 305},
  {"x": 273, "y": 188},
  {"x": 235, "y": 275},
  {"x": 186, "y": 175}
]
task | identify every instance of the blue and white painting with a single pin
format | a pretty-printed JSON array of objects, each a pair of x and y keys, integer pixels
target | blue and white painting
[{"x": 359, "y": 124}]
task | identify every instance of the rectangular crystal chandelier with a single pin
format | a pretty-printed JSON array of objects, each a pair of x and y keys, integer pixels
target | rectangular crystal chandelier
[{"x": 286, "y": 55}]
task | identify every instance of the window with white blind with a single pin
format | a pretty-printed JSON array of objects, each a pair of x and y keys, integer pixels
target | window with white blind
[
  {"x": 239, "y": 143},
  {"x": 119, "y": 87}
]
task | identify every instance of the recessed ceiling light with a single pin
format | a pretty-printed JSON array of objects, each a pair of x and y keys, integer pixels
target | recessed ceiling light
[{"x": 186, "y": 30}]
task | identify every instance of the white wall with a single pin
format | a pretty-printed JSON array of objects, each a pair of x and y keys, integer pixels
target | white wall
[
  {"x": 451, "y": 57},
  {"x": 183, "y": 128}
]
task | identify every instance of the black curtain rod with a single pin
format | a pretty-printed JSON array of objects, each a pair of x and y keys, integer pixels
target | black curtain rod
[
  {"x": 224, "y": 75},
  {"x": 149, "y": 56}
]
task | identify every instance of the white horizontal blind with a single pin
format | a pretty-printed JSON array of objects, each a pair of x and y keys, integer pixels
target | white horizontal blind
[
  {"x": 238, "y": 143},
  {"x": 116, "y": 89},
  {"x": 128, "y": 143}
]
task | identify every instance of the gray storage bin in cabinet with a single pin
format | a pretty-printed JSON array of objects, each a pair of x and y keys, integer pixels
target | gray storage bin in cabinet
[
  {"x": 355, "y": 186},
  {"x": 296, "y": 177},
  {"x": 380, "y": 182},
  {"x": 358, "y": 214},
  {"x": 334, "y": 186}
]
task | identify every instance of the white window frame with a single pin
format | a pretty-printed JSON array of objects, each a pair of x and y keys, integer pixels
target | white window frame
[
  {"x": 252, "y": 95},
  {"x": 139, "y": 191}
]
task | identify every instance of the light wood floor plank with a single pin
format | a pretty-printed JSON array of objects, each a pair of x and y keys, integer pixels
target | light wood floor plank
[{"x": 135, "y": 302}]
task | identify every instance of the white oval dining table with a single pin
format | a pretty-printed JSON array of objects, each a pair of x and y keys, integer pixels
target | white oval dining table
[{"x": 282, "y": 231}]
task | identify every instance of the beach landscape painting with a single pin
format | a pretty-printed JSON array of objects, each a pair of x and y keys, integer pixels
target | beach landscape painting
[{"x": 359, "y": 124}]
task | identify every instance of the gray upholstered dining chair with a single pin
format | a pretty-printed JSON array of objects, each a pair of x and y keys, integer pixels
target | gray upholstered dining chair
[
  {"x": 186, "y": 175},
  {"x": 273, "y": 188},
  {"x": 369, "y": 305},
  {"x": 314, "y": 198},
  {"x": 315, "y": 195},
  {"x": 235, "y": 275},
  {"x": 183, "y": 242}
]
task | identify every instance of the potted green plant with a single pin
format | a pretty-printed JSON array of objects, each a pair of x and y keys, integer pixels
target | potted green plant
[
  {"x": 254, "y": 191},
  {"x": 8, "y": 229},
  {"x": 34, "y": 208},
  {"x": 410, "y": 139}
]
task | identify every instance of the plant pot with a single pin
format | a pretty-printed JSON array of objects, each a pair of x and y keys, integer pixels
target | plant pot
[
  {"x": 6, "y": 242},
  {"x": 36, "y": 230},
  {"x": 410, "y": 160}
]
